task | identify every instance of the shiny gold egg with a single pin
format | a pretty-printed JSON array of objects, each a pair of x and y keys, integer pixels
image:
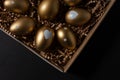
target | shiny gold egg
[
  {"x": 66, "y": 38},
  {"x": 22, "y": 26},
  {"x": 48, "y": 9},
  {"x": 18, "y": 6},
  {"x": 72, "y": 2},
  {"x": 44, "y": 38},
  {"x": 77, "y": 16}
]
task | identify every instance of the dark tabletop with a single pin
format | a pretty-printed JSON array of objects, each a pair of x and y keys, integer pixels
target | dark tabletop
[{"x": 100, "y": 59}]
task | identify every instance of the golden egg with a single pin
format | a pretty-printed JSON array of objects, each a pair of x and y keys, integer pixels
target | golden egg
[
  {"x": 72, "y": 2},
  {"x": 22, "y": 26},
  {"x": 48, "y": 9},
  {"x": 44, "y": 38},
  {"x": 18, "y": 6},
  {"x": 66, "y": 38},
  {"x": 77, "y": 16}
]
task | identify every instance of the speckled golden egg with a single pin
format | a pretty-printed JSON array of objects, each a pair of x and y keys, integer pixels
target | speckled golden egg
[
  {"x": 22, "y": 26},
  {"x": 48, "y": 9},
  {"x": 72, "y": 2},
  {"x": 44, "y": 38},
  {"x": 77, "y": 16},
  {"x": 66, "y": 38},
  {"x": 18, "y": 6}
]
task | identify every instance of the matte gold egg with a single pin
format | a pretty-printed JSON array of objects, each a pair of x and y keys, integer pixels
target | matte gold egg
[
  {"x": 72, "y": 2},
  {"x": 66, "y": 38},
  {"x": 44, "y": 38},
  {"x": 48, "y": 9},
  {"x": 77, "y": 16},
  {"x": 18, "y": 6},
  {"x": 22, "y": 26}
]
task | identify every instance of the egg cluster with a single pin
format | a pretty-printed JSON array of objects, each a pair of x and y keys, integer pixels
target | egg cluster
[{"x": 47, "y": 10}]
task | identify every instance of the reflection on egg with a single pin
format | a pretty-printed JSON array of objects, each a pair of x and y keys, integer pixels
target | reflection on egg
[
  {"x": 22, "y": 26},
  {"x": 66, "y": 38},
  {"x": 77, "y": 16},
  {"x": 48, "y": 9},
  {"x": 72, "y": 2},
  {"x": 18, "y": 6},
  {"x": 44, "y": 38}
]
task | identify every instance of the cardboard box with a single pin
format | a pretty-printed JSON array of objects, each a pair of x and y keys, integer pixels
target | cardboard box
[{"x": 98, "y": 11}]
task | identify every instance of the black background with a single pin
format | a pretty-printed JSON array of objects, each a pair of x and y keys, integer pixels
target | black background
[{"x": 100, "y": 59}]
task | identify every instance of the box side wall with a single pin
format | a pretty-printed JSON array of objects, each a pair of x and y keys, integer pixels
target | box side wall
[{"x": 88, "y": 37}]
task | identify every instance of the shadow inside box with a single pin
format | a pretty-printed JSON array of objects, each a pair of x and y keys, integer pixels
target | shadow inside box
[{"x": 98, "y": 47}]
